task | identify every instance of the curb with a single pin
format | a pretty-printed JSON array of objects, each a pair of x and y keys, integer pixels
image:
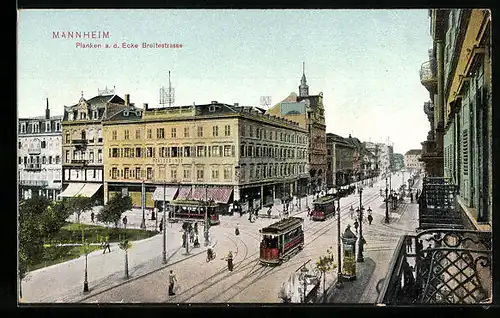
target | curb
[{"x": 163, "y": 266}]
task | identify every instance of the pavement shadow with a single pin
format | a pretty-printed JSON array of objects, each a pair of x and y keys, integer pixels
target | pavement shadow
[{"x": 352, "y": 291}]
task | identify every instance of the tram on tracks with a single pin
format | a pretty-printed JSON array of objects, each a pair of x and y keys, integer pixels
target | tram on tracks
[
  {"x": 187, "y": 210},
  {"x": 323, "y": 208},
  {"x": 281, "y": 240}
]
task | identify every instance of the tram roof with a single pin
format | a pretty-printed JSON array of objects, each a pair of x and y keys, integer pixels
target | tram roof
[
  {"x": 194, "y": 203},
  {"x": 325, "y": 199},
  {"x": 282, "y": 225}
]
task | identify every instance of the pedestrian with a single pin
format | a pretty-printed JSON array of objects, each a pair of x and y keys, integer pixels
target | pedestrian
[
  {"x": 370, "y": 219},
  {"x": 125, "y": 222},
  {"x": 191, "y": 236},
  {"x": 106, "y": 245},
  {"x": 419, "y": 246},
  {"x": 92, "y": 215},
  {"x": 196, "y": 242},
  {"x": 409, "y": 247},
  {"x": 161, "y": 225},
  {"x": 171, "y": 283},
  {"x": 184, "y": 234},
  {"x": 411, "y": 197},
  {"x": 237, "y": 230},
  {"x": 196, "y": 228},
  {"x": 229, "y": 259},
  {"x": 356, "y": 224}
]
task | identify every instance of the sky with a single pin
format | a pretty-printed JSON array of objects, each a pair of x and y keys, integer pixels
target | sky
[{"x": 365, "y": 62}]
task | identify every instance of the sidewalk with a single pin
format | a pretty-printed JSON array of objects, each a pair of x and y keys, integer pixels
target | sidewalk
[
  {"x": 64, "y": 282},
  {"x": 382, "y": 241}
]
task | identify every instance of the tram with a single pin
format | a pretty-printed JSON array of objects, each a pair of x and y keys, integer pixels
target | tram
[
  {"x": 194, "y": 210},
  {"x": 281, "y": 240},
  {"x": 324, "y": 207}
]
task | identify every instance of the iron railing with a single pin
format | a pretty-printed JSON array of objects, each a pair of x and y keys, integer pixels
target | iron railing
[
  {"x": 33, "y": 166},
  {"x": 428, "y": 73},
  {"x": 437, "y": 204},
  {"x": 33, "y": 183},
  {"x": 81, "y": 162},
  {"x": 454, "y": 268}
]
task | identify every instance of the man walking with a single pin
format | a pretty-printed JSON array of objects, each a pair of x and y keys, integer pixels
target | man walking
[
  {"x": 92, "y": 215},
  {"x": 370, "y": 219},
  {"x": 125, "y": 222},
  {"x": 356, "y": 225},
  {"x": 171, "y": 282},
  {"x": 229, "y": 259},
  {"x": 106, "y": 245}
]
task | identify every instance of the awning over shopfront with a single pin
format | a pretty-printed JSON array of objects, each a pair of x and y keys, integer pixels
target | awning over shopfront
[
  {"x": 184, "y": 193},
  {"x": 164, "y": 193},
  {"x": 71, "y": 190},
  {"x": 89, "y": 189},
  {"x": 218, "y": 194}
]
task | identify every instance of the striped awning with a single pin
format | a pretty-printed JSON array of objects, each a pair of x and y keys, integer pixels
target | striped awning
[
  {"x": 184, "y": 193},
  {"x": 71, "y": 190},
  {"x": 218, "y": 194},
  {"x": 89, "y": 189},
  {"x": 161, "y": 193}
]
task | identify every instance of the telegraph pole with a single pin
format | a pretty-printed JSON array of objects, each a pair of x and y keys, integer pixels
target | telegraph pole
[
  {"x": 339, "y": 254},
  {"x": 360, "y": 239},
  {"x": 164, "y": 225}
]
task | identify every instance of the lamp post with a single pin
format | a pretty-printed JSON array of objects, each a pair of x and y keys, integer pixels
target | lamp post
[
  {"x": 143, "y": 201},
  {"x": 303, "y": 278},
  {"x": 339, "y": 254},
  {"x": 360, "y": 257},
  {"x": 164, "y": 225},
  {"x": 386, "y": 202}
]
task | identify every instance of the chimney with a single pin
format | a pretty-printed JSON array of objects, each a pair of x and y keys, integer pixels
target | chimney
[
  {"x": 214, "y": 102},
  {"x": 127, "y": 99},
  {"x": 145, "y": 106},
  {"x": 47, "y": 110},
  {"x": 236, "y": 104}
]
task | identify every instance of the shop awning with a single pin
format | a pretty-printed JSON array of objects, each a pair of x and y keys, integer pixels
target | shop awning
[
  {"x": 89, "y": 189},
  {"x": 164, "y": 193},
  {"x": 184, "y": 193},
  {"x": 218, "y": 194},
  {"x": 71, "y": 190}
]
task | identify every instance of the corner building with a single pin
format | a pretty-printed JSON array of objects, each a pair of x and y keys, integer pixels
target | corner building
[{"x": 223, "y": 152}]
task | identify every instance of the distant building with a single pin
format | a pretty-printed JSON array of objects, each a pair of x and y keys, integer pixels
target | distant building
[
  {"x": 340, "y": 161},
  {"x": 308, "y": 111},
  {"x": 412, "y": 160},
  {"x": 398, "y": 161},
  {"x": 39, "y": 156}
]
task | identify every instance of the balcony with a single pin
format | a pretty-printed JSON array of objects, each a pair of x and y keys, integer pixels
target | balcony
[
  {"x": 437, "y": 204},
  {"x": 79, "y": 143},
  {"x": 79, "y": 162},
  {"x": 428, "y": 147},
  {"x": 33, "y": 183},
  {"x": 33, "y": 166},
  {"x": 454, "y": 268},
  {"x": 428, "y": 76}
]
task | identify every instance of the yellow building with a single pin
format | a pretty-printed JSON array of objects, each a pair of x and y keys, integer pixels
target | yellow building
[
  {"x": 308, "y": 111},
  {"x": 225, "y": 152}
]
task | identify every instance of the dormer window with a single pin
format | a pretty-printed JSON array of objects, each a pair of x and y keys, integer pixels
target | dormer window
[
  {"x": 23, "y": 128},
  {"x": 125, "y": 113},
  {"x": 47, "y": 126},
  {"x": 211, "y": 108},
  {"x": 58, "y": 126},
  {"x": 94, "y": 114}
]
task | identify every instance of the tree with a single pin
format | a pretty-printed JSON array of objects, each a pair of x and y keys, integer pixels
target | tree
[
  {"x": 325, "y": 264},
  {"x": 113, "y": 210},
  {"x": 78, "y": 205},
  {"x": 125, "y": 245}
]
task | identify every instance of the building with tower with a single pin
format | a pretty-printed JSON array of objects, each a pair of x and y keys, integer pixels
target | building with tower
[
  {"x": 39, "y": 156},
  {"x": 308, "y": 111}
]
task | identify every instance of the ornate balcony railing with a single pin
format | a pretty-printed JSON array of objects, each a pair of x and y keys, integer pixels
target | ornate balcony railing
[
  {"x": 80, "y": 162},
  {"x": 437, "y": 204},
  {"x": 454, "y": 268},
  {"x": 33, "y": 166},
  {"x": 428, "y": 76},
  {"x": 33, "y": 183}
]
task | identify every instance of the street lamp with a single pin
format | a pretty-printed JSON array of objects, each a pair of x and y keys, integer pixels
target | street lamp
[
  {"x": 386, "y": 202},
  {"x": 164, "y": 225},
  {"x": 143, "y": 197},
  {"x": 360, "y": 257},
  {"x": 339, "y": 254},
  {"x": 303, "y": 278}
]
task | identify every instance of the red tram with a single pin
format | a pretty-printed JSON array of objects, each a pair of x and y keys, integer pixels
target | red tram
[
  {"x": 324, "y": 207},
  {"x": 281, "y": 240},
  {"x": 194, "y": 210}
]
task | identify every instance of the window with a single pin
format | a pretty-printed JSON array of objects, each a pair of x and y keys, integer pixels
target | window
[
  {"x": 160, "y": 133},
  {"x": 227, "y": 130},
  {"x": 114, "y": 135},
  {"x": 126, "y": 174},
  {"x": 20, "y": 160},
  {"x": 99, "y": 135},
  {"x": 114, "y": 173},
  {"x": 126, "y": 152},
  {"x": 99, "y": 156},
  {"x": 252, "y": 167},
  {"x": 251, "y": 131},
  {"x": 19, "y": 145},
  {"x": 138, "y": 152},
  {"x": 215, "y": 131},
  {"x": 187, "y": 174},
  {"x": 199, "y": 174},
  {"x": 200, "y": 151},
  {"x": 137, "y": 134},
  {"x": 173, "y": 174},
  {"x": 173, "y": 152},
  {"x": 150, "y": 134},
  {"x": 250, "y": 151},
  {"x": 91, "y": 156},
  {"x": 126, "y": 134},
  {"x": 243, "y": 173},
  {"x": 243, "y": 131},
  {"x": 47, "y": 126},
  {"x": 242, "y": 151},
  {"x": 174, "y": 132},
  {"x": 23, "y": 127},
  {"x": 67, "y": 140},
  {"x": 94, "y": 114},
  {"x": 44, "y": 160},
  {"x": 149, "y": 173},
  {"x": 186, "y": 132},
  {"x": 200, "y": 131},
  {"x": 227, "y": 173},
  {"x": 215, "y": 151},
  {"x": 187, "y": 151},
  {"x": 149, "y": 152},
  {"x": 227, "y": 151},
  {"x": 215, "y": 173},
  {"x": 58, "y": 126},
  {"x": 138, "y": 172}
]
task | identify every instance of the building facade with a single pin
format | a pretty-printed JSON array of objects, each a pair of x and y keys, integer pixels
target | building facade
[
  {"x": 342, "y": 160},
  {"x": 412, "y": 160},
  {"x": 308, "y": 111},
  {"x": 82, "y": 144},
  {"x": 39, "y": 156},
  {"x": 225, "y": 152}
]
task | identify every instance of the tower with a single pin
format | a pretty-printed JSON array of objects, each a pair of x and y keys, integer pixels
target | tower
[
  {"x": 47, "y": 110},
  {"x": 303, "y": 88}
]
